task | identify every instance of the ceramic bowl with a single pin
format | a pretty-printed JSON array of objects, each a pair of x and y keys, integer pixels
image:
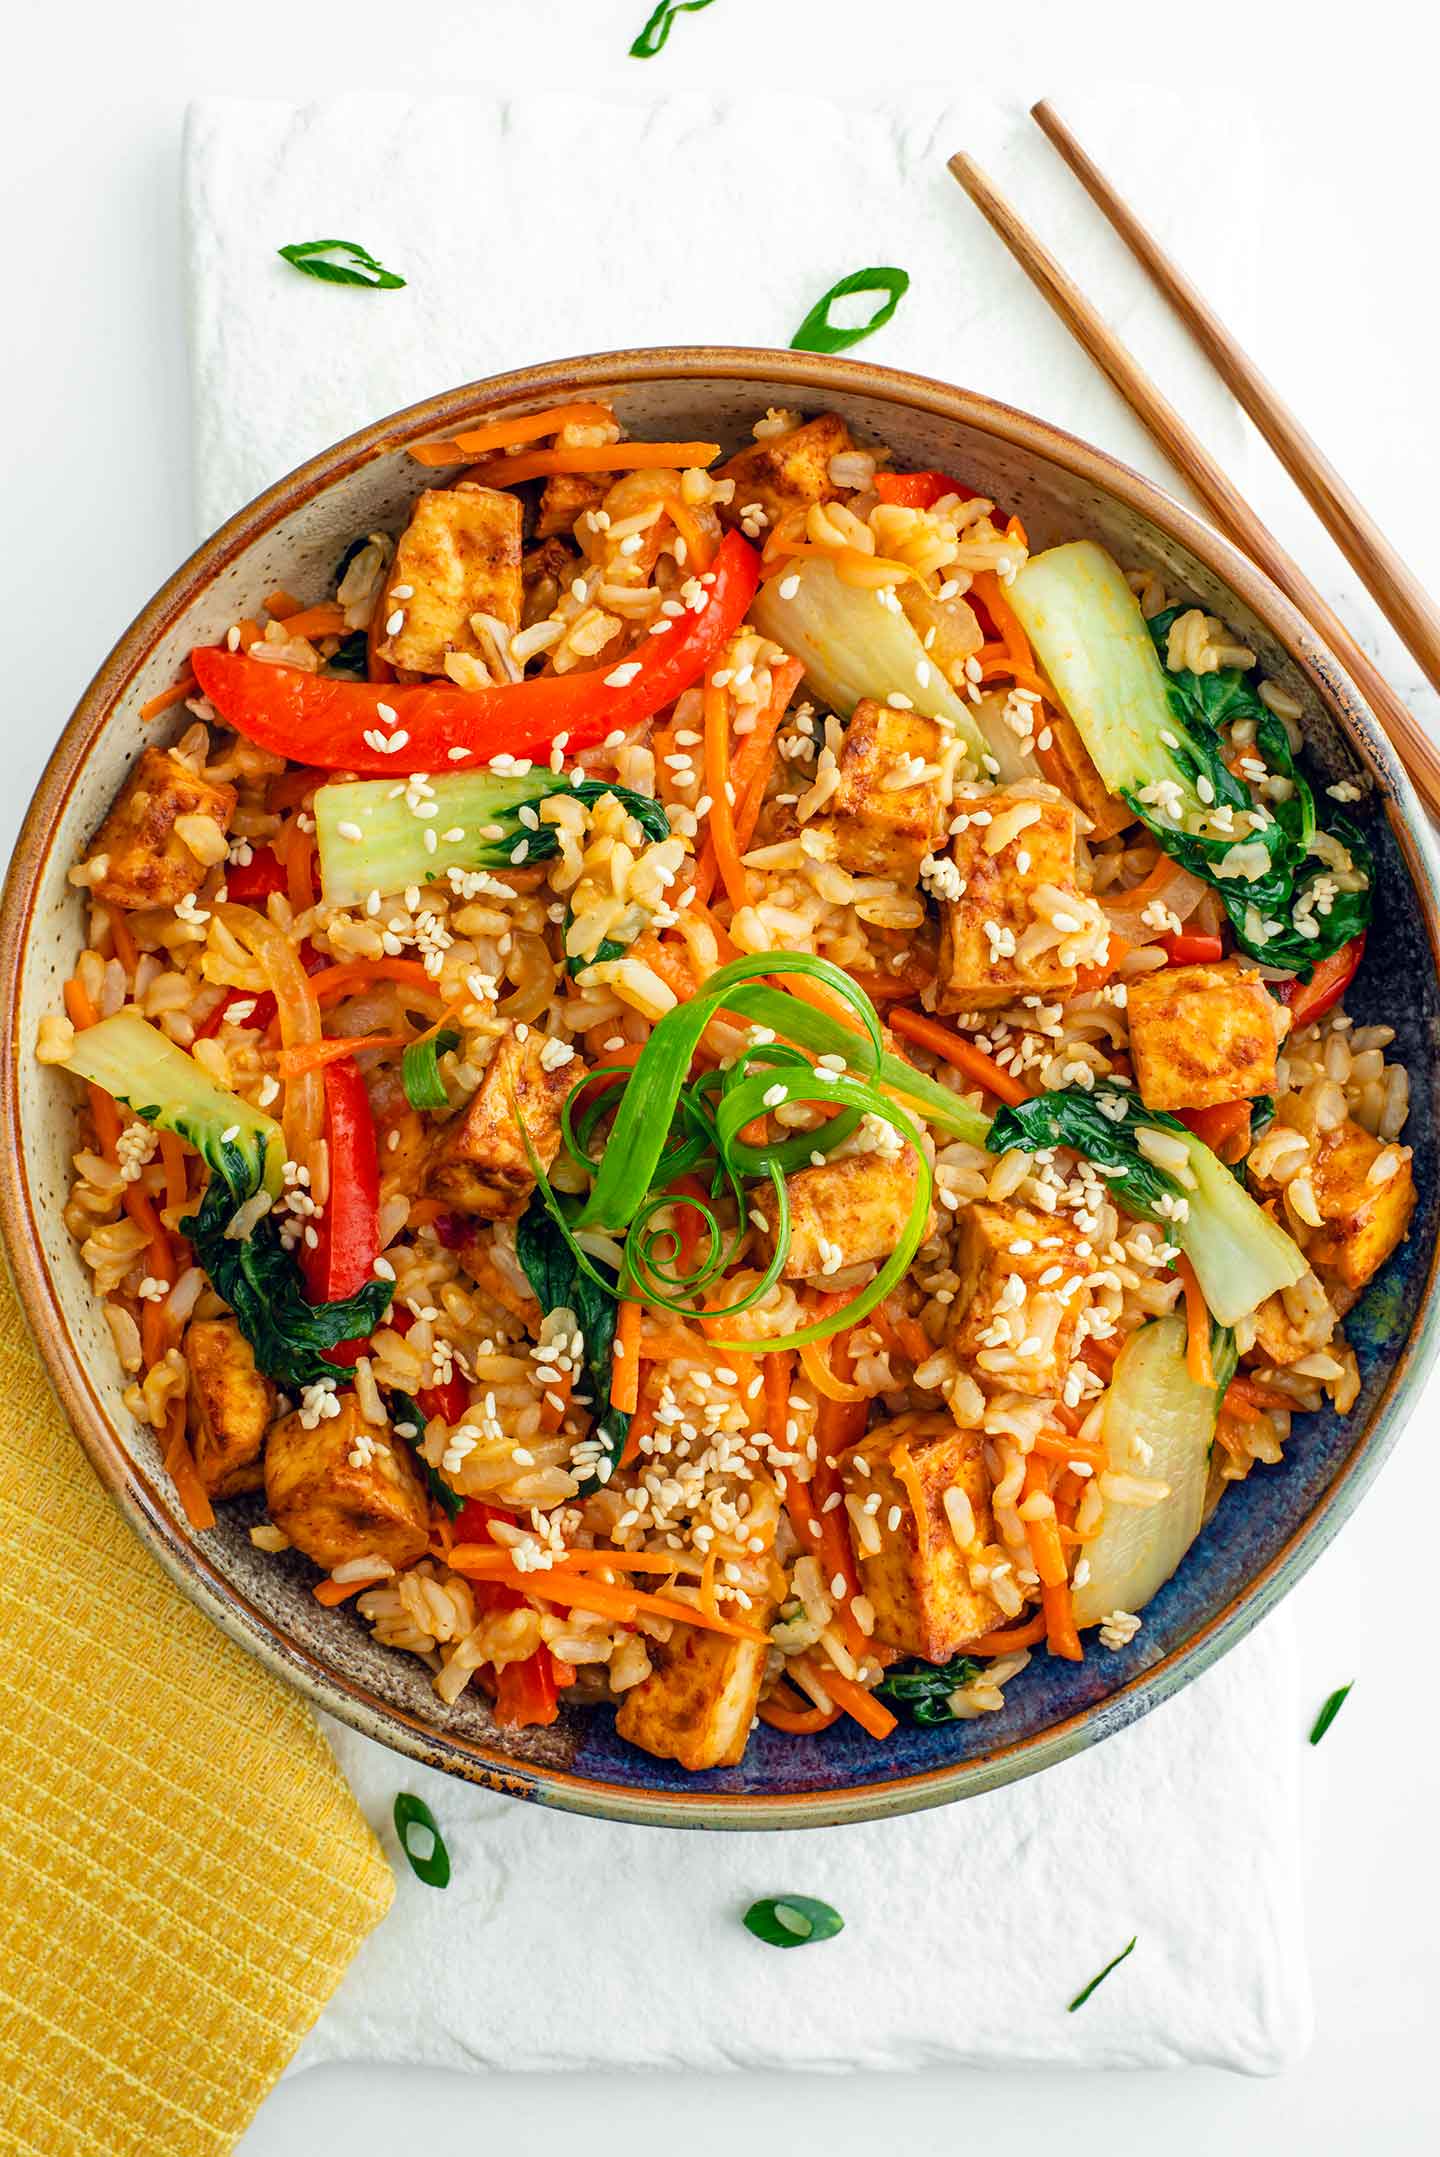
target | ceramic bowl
[{"x": 1267, "y": 1531}]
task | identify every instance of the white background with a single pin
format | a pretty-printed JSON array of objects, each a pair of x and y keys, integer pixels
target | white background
[{"x": 97, "y": 501}]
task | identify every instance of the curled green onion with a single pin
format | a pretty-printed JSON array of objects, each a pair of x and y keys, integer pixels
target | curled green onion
[{"x": 420, "y": 1068}]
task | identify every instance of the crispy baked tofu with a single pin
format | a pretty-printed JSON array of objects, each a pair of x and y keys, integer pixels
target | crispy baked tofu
[
  {"x": 1364, "y": 1221},
  {"x": 877, "y": 828},
  {"x": 1019, "y": 1343},
  {"x": 459, "y": 555},
  {"x": 787, "y": 472},
  {"x": 147, "y": 862},
  {"x": 346, "y": 1490},
  {"x": 982, "y": 963},
  {"x": 402, "y": 1144},
  {"x": 849, "y": 1212},
  {"x": 699, "y": 1701},
  {"x": 478, "y": 1161},
  {"x": 1069, "y": 765},
  {"x": 230, "y": 1407},
  {"x": 919, "y": 1579},
  {"x": 1200, "y": 1035},
  {"x": 566, "y": 498}
]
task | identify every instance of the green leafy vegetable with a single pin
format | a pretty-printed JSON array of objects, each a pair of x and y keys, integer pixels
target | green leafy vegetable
[
  {"x": 491, "y": 813},
  {"x": 1085, "y": 1991},
  {"x": 416, "y": 1824},
  {"x": 818, "y": 334},
  {"x": 420, "y": 1068},
  {"x": 1158, "y": 737},
  {"x": 922, "y": 1690},
  {"x": 1239, "y": 1254},
  {"x": 141, "y": 1067},
  {"x": 340, "y": 262},
  {"x": 352, "y": 659},
  {"x": 408, "y": 1421},
  {"x": 652, "y": 38},
  {"x": 560, "y": 1282},
  {"x": 1329, "y": 1712},
  {"x": 793, "y": 1920}
]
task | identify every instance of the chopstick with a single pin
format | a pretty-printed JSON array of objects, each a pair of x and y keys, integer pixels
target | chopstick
[
  {"x": 1394, "y": 587},
  {"x": 1189, "y": 456}
]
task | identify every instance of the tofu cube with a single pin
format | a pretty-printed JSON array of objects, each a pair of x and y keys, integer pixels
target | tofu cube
[
  {"x": 346, "y": 1490},
  {"x": 459, "y": 555},
  {"x": 566, "y": 498},
  {"x": 1068, "y": 764},
  {"x": 919, "y": 1579},
  {"x": 1020, "y": 1296},
  {"x": 402, "y": 1146},
  {"x": 1364, "y": 1221},
  {"x": 845, "y": 1213},
  {"x": 147, "y": 862},
  {"x": 1200, "y": 1035},
  {"x": 983, "y": 961},
  {"x": 478, "y": 1160},
  {"x": 699, "y": 1701},
  {"x": 231, "y": 1405},
  {"x": 787, "y": 472},
  {"x": 877, "y": 827}
]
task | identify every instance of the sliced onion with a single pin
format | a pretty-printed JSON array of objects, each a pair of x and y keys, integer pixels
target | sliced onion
[
  {"x": 299, "y": 1014},
  {"x": 1178, "y": 891}
]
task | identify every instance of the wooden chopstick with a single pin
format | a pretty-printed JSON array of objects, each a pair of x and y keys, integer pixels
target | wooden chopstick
[
  {"x": 1189, "y": 456},
  {"x": 1394, "y": 587}
]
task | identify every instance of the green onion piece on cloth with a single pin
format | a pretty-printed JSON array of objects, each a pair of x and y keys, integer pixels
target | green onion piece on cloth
[
  {"x": 652, "y": 38},
  {"x": 1085, "y": 1991},
  {"x": 793, "y": 1920},
  {"x": 414, "y": 1822},
  {"x": 1329, "y": 1712},
  {"x": 817, "y": 333},
  {"x": 340, "y": 262}
]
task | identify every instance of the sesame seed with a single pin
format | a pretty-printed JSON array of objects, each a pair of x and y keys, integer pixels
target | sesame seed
[
  {"x": 350, "y": 831},
  {"x": 395, "y": 623}
]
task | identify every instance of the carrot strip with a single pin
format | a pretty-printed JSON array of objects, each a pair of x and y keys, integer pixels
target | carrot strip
[
  {"x": 1090, "y": 978},
  {"x": 717, "y": 785},
  {"x": 954, "y": 1049},
  {"x": 510, "y": 433},
  {"x": 1043, "y": 1535},
  {"x": 1056, "y": 1446},
  {"x": 334, "y": 1592},
  {"x": 180, "y": 1461},
  {"x": 625, "y": 1354},
  {"x": 354, "y": 974},
  {"x": 820, "y": 1372},
  {"x": 1256, "y": 1395},
  {"x": 797, "y": 1722},
  {"x": 698, "y": 551},
  {"x": 641, "y": 1425},
  {"x": 1197, "y": 1327},
  {"x": 1006, "y": 1641},
  {"x": 281, "y": 604},
  {"x": 484, "y": 1558},
  {"x": 779, "y": 1375},
  {"x": 123, "y": 940},
  {"x": 756, "y": 757},
  {"x": 177, "y": 1181},
  {"x": 1061, "y": 1636},
  {"x": 325, "y": 619},
  {"x": 313, "y": 1055},
  {"x": 862, "y": 1707},
  {"x": 606, "y": 457},
  {"x": 607, "y": 1601},
  {"x": 176, "y": 694}
]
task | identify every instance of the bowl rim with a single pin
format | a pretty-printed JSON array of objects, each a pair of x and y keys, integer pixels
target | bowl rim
[{"x": 149, "y": 1509}]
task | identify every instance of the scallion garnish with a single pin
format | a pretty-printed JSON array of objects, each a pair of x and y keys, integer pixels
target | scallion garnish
[
  {"x": 420, "y": 1068},
  {"x": 817, "y": 333},
  {"x": 340, "y": 262},
  {"x": 421, "y": 1840},
  {"x": 1329, "y": 1712},
  {"x": 1085, "y": 1991},
  {"x": 793, "y": 1920},
  {"x": 652, "y": 38}
]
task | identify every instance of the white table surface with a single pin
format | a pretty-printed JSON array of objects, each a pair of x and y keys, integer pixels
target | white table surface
[{"x": 97, "y": 501}]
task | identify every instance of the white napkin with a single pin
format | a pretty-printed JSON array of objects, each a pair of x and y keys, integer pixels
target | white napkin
[{"x": 535, "y": 227}]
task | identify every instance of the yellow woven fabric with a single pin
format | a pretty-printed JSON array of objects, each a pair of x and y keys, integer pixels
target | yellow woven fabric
[{"x": 184, "y": 1874}]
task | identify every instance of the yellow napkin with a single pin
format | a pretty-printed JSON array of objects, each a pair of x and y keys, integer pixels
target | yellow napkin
[{"x": 184, "y": 1874}]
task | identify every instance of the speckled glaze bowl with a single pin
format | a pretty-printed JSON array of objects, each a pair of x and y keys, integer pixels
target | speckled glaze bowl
[{"x": 1266, "y": 1532}]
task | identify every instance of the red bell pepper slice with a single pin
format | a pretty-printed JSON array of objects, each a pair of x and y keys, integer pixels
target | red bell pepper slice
[
  {"x": 1186, "y": 950},
  {"x": 1310, "y": 1000},
  {"x": 342, "y": 1259},
  {"x": 450, "y": 1400},
  {"x": 247, "y": 881},
  {"x": 525, "y": 1691},
  {"x": 324, "y": 721},
  {"x": 919, "y": 490}
]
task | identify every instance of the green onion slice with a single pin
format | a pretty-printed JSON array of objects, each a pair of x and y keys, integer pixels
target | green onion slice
[
  {"x": 340, "y": 262},
  {"x": 1085, "y": 1991},
  {"x": 652, "y": 38},
  {"x": 420, "y": 1068},
  {"x": 818, "y": 334},
  {"x": 793, "y": 1920},
  {"x": 414, "y": 1822},
  {"x": 1329, "y": 1712}
]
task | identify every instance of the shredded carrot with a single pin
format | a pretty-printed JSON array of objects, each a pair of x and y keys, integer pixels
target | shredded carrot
[
  {"x": 821, "y": 1373},
  {"x": 1008, "y": 1639},
  {"x": 756, "y": 756},
  {"x": 487, "y": 1275},
  {"x": 779, "y": 1375},
  {"x": 81, "y": 1011},
  {"x": 862, "y": 1707},
  {"x": 484, "y": 1558},
  {"x": 177, "y": 1181},
  {"x": 907, "y": 1475},
  {"x": 510, "y": 433},
  {"x": 281, "y": 604},
  {"x": 1090, "y": 978},
  {"x": 334, "y": 1592},
  {"x": 625, "y": 1364},
  {"x": 325, "y": 619},
  {"x": 1042, "y": 1535},
  {"x": 796, "y": 1722},
  {"x": 1101, "y": 1355},
  {"x": 954, "y": 1049},
  {"x": 1051, "y": 1445},
  {"x": 1061, "y": 1635},
  {"x": 1197, "y": 1327},
  {"x": 123, "y": 940},
  {"x": 313, "y": 1055},
  {"x": 641, "y": 1425},
  {"x": 838, "y": 1425},
  {"x": 607, "y": 457},
  {"x": 353, "y": 975},
  {"x": 724, "y": 941},
  {"x": 1256, "y": 1395},
  {"x": 180, "y": 1462},
  {"x": 698, "y": 551},
  {"x": 153, "y": 706},
  {"x": 721, "y": 820},
  {"x": 613, "y": 1602}
]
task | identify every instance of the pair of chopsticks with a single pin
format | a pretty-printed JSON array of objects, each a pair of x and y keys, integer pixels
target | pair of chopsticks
[{"x": 1398, "y": 593}]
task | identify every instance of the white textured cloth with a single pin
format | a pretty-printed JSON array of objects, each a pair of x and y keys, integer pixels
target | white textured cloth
[{"x": 528, "y": 229}]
